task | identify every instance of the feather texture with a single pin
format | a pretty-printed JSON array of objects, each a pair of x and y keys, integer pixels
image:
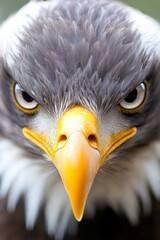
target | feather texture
[{"x": 89, "y": 53}]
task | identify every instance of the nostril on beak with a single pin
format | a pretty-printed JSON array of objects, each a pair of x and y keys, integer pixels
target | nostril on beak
[
  {"x": 62, "y": 140},
  {"x": 93, "y": 141}
]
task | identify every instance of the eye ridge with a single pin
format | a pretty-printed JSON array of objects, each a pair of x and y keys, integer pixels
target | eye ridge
[{"x": 23, "y": 100}]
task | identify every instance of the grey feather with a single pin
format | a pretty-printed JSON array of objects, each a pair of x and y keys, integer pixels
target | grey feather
[{"x": 86, "y": 53}]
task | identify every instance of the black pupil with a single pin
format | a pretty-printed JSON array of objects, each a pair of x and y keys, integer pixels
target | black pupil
[
  {"x": 131, "y": 96},
  {"x": 26, "y": 97}
]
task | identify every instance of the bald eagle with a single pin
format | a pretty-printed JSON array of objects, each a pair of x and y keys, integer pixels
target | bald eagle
[{"x": 79, "y": 110}]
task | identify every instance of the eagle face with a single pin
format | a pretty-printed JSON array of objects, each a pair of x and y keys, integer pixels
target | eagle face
[{"x": 79, "y": 109}]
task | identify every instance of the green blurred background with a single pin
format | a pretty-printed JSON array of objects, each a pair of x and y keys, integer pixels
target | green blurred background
[{"x": 151, "y": 7}]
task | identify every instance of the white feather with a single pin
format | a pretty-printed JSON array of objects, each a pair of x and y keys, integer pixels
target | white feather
[
  {"x": 12, "y": 30},
  {"x": 123, "y": 188},
  {"x": 38, "y": 182},
  {"x": 149, "y": 30},
  {"x": 60, "y": 203}
]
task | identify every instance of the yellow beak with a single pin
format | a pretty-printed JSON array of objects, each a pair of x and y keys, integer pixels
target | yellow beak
[
  {"x": 77, "y": 164},
  {"x": 77, "y": 157},
  {"x": 77, "y": 153}
]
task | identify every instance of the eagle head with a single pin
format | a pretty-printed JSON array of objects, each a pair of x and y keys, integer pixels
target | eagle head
[{"x": 79, "y": 88}]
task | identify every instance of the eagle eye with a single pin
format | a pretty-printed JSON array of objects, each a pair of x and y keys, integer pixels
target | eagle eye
[
  {"x": 135, "y": 99},
  {"x": 23, "y": 100}
]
